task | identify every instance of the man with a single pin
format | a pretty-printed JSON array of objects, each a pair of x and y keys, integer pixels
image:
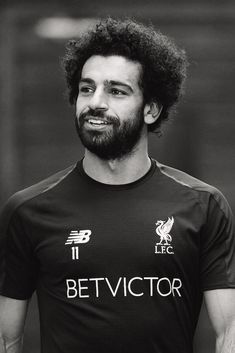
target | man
[{"x": 119, "y": 248}]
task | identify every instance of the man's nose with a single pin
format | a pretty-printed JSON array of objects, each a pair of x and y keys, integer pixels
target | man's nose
[{"x": 98, "y": 101}]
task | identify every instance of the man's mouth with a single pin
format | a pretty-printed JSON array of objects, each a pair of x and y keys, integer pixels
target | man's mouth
[{"x": 97, "y": 122}]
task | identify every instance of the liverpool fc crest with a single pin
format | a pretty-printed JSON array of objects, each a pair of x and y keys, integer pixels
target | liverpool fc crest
[{"x": 163, "y": 229}]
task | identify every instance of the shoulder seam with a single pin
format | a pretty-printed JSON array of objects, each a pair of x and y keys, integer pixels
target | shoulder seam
[
  {"x": 186, "y": 184},
  {"x": 199, "y": 191},
  {"x": 51, "y": 186},
  {"x": 47, "y": 188},
  {"x": 171, "y": 177}
]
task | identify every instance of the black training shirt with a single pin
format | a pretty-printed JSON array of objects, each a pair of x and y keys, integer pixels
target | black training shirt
[{"x": 117, "y": 268}]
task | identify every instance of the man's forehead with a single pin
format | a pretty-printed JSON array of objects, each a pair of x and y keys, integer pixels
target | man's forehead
[{"x": 111, "y": 68}]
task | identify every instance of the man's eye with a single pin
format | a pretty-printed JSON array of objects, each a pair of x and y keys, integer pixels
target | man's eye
[
  {"x": 117, "y": 92},
  {"x": 85, "y": 89}
]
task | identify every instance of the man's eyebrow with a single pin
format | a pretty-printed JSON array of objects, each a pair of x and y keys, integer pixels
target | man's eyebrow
[
  {"x": 86, "y": 80},
  {"x": 119, "y": 83},
  {"x": 107, "y": 82}
]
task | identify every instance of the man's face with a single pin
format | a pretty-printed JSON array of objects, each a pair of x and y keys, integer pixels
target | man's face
[{"x": 109, "y": 106}]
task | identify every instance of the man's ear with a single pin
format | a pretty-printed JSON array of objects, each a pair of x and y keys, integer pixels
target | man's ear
[{"x": 152, "y": 112}]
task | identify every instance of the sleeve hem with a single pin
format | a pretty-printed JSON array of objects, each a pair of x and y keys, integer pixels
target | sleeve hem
[
  {"x": 13, "y": 295},
  {"x": 218, "y": 286}
]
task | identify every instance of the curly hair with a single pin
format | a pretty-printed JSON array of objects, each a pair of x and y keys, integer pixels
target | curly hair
[{"x": 163, "y": 63}]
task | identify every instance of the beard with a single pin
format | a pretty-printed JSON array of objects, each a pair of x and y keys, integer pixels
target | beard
[{"x": 117, "y": 141}]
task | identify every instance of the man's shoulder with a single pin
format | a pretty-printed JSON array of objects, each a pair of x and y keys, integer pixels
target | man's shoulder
[
  {"x": 24, "y": 195},
  {"x": 186, "y": 180}
]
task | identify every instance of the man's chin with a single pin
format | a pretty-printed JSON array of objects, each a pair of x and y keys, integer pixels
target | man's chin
[
  {"x": 108, "y": 155},
  {"x": 95, "y": 137},
  {"x": 107, "y": 149},
  {"x": 101, "y": 144}
]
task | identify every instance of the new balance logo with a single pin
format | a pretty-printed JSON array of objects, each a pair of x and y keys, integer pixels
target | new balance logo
[
  {"x": 77, "y": 237},
  {"x": 81, "y": 237}
]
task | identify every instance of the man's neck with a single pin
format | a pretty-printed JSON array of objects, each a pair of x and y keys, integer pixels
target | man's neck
[{"x": 119, "y": 171}]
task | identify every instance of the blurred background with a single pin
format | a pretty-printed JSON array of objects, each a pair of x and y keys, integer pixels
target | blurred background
[{"x": 37, "y": 135}]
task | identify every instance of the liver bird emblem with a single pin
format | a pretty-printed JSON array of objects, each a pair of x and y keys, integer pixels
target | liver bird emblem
[{"x": 163, "y": 230}]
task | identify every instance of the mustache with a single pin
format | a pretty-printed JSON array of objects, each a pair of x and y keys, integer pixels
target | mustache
[{"x": 98, "y": 114}]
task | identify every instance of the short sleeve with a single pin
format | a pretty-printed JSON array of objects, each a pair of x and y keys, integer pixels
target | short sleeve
[
  {"x": 218, "y": 245},
  {"x": 18, "y": 267}
]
